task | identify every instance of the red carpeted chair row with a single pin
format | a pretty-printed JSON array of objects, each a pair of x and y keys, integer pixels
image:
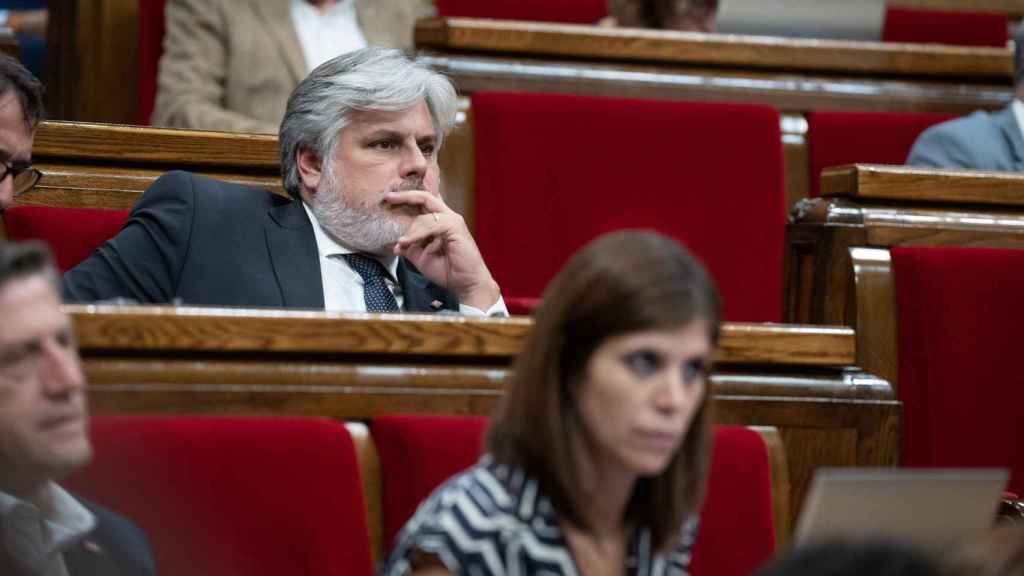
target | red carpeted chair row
[
  {"x": 959, "y": 315},
  {"x": 257, "y": 495}
]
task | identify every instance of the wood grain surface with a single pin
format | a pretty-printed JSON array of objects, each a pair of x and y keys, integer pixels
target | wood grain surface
[
  {"x": 136, "y": 144},
  {"x": 913, "y": 184},
  {"x": 282, "y": 331},
  {"x": 630, "y": 44}
]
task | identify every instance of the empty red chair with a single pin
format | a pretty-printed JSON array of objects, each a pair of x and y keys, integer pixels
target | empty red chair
[
  {"x": 567, "y": 11},
  {"x": 837, "y": 138},
  {"x": 945, "y": 27},
  {"x": 737, "y": 534},
  {"x": 72, "y": 233},
  {"x": 150, "y": 47},
  {"x": 553, "y": 171},
  {"x": 960, "y": 383},
  {"x": 216, "y": 495}
]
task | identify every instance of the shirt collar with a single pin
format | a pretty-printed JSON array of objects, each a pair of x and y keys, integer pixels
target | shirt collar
[
  {"x": 1018, "y": 114},
  {"x": 340, "y": 7},
  {"x": 328, "y": 247},
  {"x": 67, "y": 521}
]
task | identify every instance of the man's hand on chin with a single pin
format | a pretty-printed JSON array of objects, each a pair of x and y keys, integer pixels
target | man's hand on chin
[{"x": 439, "y": 244}]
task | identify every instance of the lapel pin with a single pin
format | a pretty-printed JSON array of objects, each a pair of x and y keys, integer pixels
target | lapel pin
[
  {"x": 91, "y": 547},
  {"x": 436, "y": 304}
]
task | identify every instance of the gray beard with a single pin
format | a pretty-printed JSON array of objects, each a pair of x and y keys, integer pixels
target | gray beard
[{"x": 367, "y": 230}]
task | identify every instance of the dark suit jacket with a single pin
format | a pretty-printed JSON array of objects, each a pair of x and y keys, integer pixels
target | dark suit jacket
[
  {"x": 116, "y": 547},
  {"x": 981, "y": 141},
  {"x": 196, "y": 240}
]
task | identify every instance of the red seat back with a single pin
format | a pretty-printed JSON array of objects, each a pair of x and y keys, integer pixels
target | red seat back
[
  {"x": 217, "y": 495},
  {"x": 151, "y": 39},
  {"x": 72, "y": 233},
  {"x": 960, "y": 315},
  {"x": 945, "y": 27},
  {"x": 568, "y": 11},
  {"x": 553, "y": 171},
  {"x": 737, "y": 527},
  {"x": 837, "y": 138},
  {"x": 417, "y": 453}
]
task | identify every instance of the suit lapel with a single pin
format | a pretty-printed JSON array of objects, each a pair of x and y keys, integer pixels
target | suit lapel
[
  {"x": 420, "y": 294},
  {"x": 87, "y": 558},
  {"x": 294, "y": 256},
  {"x": 1007, "y": 122},
  {"x": 277, "y": 19}
]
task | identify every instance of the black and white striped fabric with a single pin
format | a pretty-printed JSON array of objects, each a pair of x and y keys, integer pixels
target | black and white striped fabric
[{"x": 492, "y": 520}]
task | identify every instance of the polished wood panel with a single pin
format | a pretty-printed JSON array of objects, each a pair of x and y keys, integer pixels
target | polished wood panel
[
  {"x": 912, "y": 184},
  {"x": 672, "y": 47},
  {"x": 357, "y": 366},
  {"x": 169, "y": 328},
  {"x": 872, "y": 206},
  {"x": 167, "y": 146},
  {"x": 781, "y": 489},
  {"x": 91, "y": 60}
]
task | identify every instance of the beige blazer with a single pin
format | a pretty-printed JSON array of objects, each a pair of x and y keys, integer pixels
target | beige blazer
[{"x": 231, "y": 64}]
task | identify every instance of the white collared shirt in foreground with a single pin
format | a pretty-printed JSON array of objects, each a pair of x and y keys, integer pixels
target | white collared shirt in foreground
[
  {"x": 343, "y": 286},
  {"x": 35, "y": 541}
]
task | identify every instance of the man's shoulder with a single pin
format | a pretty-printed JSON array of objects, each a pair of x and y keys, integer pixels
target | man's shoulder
[
  {"x": 975, "y": 124},
  {"x": 120, "y": 537},
  {"x": 179, "y": 185}
]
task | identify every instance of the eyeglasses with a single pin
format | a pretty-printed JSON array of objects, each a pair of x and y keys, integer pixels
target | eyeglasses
[{"x": 23, "y": 177}]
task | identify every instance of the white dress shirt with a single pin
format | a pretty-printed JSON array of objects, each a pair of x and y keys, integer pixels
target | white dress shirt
[
  {"x": 1018, "y": 113},
  {"x": 343, "y": 286},
  {"x": 37, "y": 541},
  {"x": 324, "y": 35}
]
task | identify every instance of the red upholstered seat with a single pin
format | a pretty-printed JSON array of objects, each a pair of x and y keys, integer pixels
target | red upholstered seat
[
  {"x": 569, "y": 11},
  {"x": 553, "y": 171},
  {"x": 72, "y": 233},
  {"x": 960, "y": 316},
  {"x": 217, "y": 495},
  {"x": 151, "y": 38},
  {"x": 737, "y": 527},
  {"x": 945, "y": 27},
  {"x": 417, "y": 453},
  {"x": 837, "y": 138}
]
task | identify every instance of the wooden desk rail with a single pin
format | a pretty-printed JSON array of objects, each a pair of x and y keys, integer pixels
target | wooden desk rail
[
  {"x": 750, "y": 52},
  {"x": 911, "y": 184},
  {"x": 874, "y": 206},
  {"x": 800, "y": 379}
]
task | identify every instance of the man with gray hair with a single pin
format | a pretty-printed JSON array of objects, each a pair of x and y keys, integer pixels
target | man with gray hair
[
  {"x": 44, "y": 530},
  {"x": 366, "y": 228}
]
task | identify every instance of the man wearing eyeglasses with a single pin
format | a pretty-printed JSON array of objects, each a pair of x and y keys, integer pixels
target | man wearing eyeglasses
[
  {"x": 21, "y": 108},
  {"x": 44, "y": 530}
]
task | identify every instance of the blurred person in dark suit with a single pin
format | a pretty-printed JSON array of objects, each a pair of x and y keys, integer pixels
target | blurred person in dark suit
[{"x": 44, "y": 530}]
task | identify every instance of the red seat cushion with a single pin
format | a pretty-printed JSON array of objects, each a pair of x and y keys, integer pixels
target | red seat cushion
[
  {"x": 569, "y": 11},
  {"x": 960, "y": 315},
  {"x": 553, "y": 171},
  {"x": 151, "y": 38},
  {"x": 945, "y": 27},
  {"x": 737, "y": 528},
  {"x": 72, "y": 233},
  {"x": 255, "y": 496},
  {"x": 417, "y": 453},
  {"x": 837, "y": 138}
]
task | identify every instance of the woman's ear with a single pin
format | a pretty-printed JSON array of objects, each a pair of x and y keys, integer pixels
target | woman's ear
[{"x": 310, "y": 170}]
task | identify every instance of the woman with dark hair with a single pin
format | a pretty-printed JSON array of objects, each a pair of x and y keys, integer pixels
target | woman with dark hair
[
  {"x": 597, "y": 459},
  {"x": 684, "y": 15}
]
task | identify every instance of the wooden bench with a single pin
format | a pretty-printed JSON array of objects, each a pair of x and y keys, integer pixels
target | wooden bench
[
  {"x": 800, "y": 379},
  {"x": 884, "y": 206}
]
